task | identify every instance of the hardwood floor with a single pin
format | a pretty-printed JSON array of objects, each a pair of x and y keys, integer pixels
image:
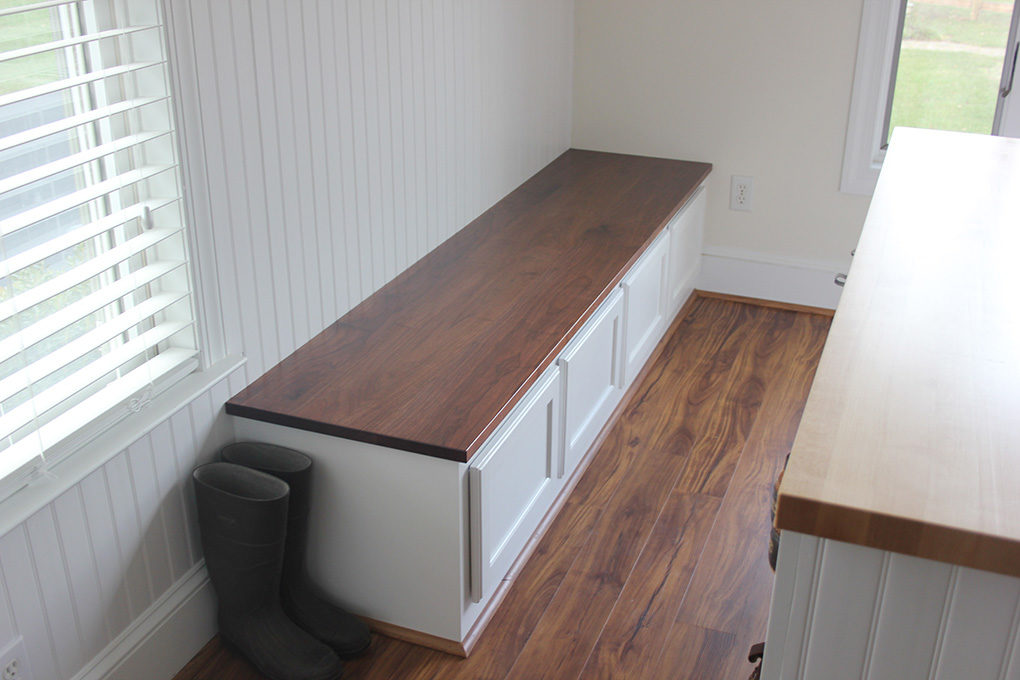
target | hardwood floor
[{"x": 655, "y": 566}]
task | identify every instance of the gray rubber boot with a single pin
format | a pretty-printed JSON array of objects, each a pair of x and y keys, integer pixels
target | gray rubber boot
[
  {"x": 242, "y": 516},
  {"x": 302, "y": 600}
]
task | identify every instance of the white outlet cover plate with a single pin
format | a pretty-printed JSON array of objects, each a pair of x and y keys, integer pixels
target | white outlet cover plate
[
  {"x": 741, "y": 192},
  {"x": 15, "y": 650}
]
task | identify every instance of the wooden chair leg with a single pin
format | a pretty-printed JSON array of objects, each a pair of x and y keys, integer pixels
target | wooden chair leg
[{"x": 756, "y": 654}]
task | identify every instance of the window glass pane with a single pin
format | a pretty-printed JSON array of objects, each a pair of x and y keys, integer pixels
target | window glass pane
[
  {"x": 25, "y": 29},
  {"x": 94, "y": 300},
  {"x": 950, "y": 63}
]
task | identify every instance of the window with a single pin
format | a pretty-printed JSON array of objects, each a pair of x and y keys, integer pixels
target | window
[
  {"x": 942, "y": 64},
  {"x": 96, "y": 314}
]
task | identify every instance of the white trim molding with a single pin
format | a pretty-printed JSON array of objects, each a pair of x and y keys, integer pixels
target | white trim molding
[
  {"x": 162, "y": 640},
  {"x": 876, "y": 51},
  {"x": 769, "y": 277}
]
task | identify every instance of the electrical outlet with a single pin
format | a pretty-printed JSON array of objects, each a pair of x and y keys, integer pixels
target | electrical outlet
[
  {"x": 741, "y": 192},
  {"x": 14, "y": 662}
]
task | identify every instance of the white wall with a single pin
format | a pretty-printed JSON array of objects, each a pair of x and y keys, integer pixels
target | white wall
[
  {"x": 756, "y": 88},
  {"x": 328, "y": 145},
  {"x": 344, "y": 140}
]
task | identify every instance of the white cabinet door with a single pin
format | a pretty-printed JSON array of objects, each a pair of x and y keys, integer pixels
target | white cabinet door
[
  {"x": 511, "y": 483},
  {"x": 645, "y": 288},
  {"x": 685, "y": 249},
  {"x": 591, "y": 368}
]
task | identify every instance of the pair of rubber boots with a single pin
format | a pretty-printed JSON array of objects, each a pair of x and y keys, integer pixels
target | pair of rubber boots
[{"x": 253, "y": 520}]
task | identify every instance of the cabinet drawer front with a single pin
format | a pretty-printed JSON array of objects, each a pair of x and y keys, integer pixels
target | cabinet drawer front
[
  {"x": 591, "y": 369},
  {"x": 644, "y": 305},
  {"x": 685, "y": 234},
  {"x": 512, "y": 485}
]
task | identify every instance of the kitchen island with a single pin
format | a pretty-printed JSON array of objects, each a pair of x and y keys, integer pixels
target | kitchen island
[{"x": 900, "y": 506}]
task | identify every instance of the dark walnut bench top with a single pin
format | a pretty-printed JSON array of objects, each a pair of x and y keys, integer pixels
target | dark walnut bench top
[{"x": 435, "y": 359}]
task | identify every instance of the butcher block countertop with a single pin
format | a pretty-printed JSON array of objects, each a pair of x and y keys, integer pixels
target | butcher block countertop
[
  {"x": 910, "y": 439},
  {"x": 435, "y": 359}
]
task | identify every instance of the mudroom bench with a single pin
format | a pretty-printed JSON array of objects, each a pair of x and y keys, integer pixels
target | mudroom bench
[{"x": 449, "y": 411}]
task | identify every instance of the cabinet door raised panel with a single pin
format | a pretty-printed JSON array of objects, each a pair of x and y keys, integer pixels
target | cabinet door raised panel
[
  {"x": 511, "y": 483},
  {"x": 591, "y": 368},
  {"x": 644, "y": 305},
  {"x": 685, "y": 231}
]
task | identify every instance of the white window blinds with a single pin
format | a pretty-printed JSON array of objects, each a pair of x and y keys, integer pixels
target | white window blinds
[{"x": 96, "y": 314}]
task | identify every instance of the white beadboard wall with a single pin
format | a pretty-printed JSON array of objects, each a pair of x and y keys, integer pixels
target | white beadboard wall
[
  {"x": 333, "y": 143},
  {"x": 327, "y": 145},
  {"x": 846, "y": 612},
  {"x": 76, "y": 575}
]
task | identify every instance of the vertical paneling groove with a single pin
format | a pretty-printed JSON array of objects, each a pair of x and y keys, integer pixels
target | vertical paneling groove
[
  {"x": 250, "y": 235},
  {"x": 98, "y": 517},
  {"x": 184, "y": 86},
  {"x": 440, "y": 117},
  {"x": 103, "y": 594},
  {"x": 301, "y": 137},
  {"x": 7, "y": 624},
  {"x": 168, "y": 474},
  {"x": 341, "y": 51},
  {"x": 319, "y": 170},
  {"x": 445, "y": 100},
  {"x": 985, "y": 602},
  {"x": 137, "y": 532},
  {"x": 405, "y": 118},
  {"x": 272, "y": 162},
  {"x": 222, "y": 85},
  {"x": 182, "y": 440},
  {"x": 417, "y": 114},
  {"x": 947, "y": 609},
  {"x": 205, "y": 134},
  {"x": 49, "y": 578},
  {"x": 282, "y": 98},
  {"x": 78, "y": 563},
  {"x": 157, "y": 543},
  {"x": 365, "y": 88},
  {"x": 331, "y": 147},
  {"x": 105, "y": 527},
  {"x": 132, "y": 567},
  {"x": 876, "y": 615},
  {"x": 387, "y": 186},
  {"x": 27, "y": 608},
  {"x": 356, "y": 91},
  {"x": 394, "y": 157},
  {"x": 816, "y": 579},
  {"x": 429, "y": 134},
  {"x": 1009, "y": 658}
]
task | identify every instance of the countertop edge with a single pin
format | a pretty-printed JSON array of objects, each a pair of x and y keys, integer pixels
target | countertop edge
[
  {"x": 914, "y": 538},
  {"x": 411, "y": 446}
]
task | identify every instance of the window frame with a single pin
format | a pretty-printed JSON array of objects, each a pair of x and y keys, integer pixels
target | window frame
[
  {"x": 882, "y": 24},
  {"x": 881, "y": 27},
  {"x": 13, "y": 479}
]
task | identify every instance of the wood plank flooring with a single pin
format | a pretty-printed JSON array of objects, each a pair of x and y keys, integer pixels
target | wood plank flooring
[{"x": 655, "y": 566}]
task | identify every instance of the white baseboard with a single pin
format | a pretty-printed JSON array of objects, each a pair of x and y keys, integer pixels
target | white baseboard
[
  {"x": 164, "y": 638},
  {"x": 756, "y": 275}
]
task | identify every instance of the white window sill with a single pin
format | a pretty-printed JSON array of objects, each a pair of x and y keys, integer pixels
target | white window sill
[{"x": 49, "y": 485}]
